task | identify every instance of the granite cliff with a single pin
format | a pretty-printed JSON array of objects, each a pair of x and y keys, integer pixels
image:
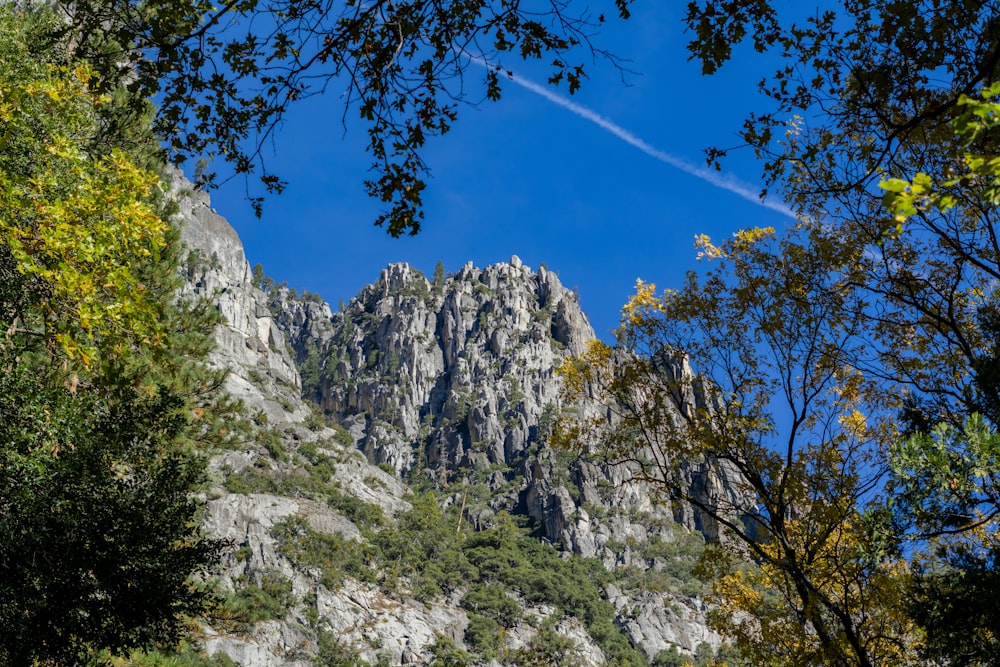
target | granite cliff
[{"x": 396, "y": 447}]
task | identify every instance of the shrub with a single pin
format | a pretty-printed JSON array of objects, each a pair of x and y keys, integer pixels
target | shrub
[
  {"x": 444, "y": 653},
  {"x": 334, "y": 653},
  {"x": 493, "y": 602},
  {"x": 484, "y": 635},
  {"x": 333, "y": 555},
  {"x": 269, "y": 598}
]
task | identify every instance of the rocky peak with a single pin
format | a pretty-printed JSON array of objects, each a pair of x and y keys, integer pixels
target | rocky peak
[
  {"x": 445, "y": 383},
  {"x": 441, "y": 378},
  {"x": 453, "y": 372},
  {"x": 248, "y": 343}
]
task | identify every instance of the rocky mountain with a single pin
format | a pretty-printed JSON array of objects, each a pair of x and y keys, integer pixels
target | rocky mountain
[{"x": 395, "y": 501}]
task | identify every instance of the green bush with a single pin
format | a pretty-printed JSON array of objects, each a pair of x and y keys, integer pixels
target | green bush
[
  {"x": 671, "y": 657},
  {"x": 334, "y": 653},
  {"x": 333, "y": 555},
  {"x": 268, "y": 599},
  {"x": 506, "y": 556},
  {"x": 671, "y": 565},
  {"x": 493, "y": 602},
  {"x": 548, "y": 649},
  {"x": 425, "y": 549},
  {"x": 183, "y": 656},
  {"x": 365, "y": 515},
  {"x": 315, "y": 482},
  {"x": 444, "y": 653},
  {"x": 484, "y": 635}
]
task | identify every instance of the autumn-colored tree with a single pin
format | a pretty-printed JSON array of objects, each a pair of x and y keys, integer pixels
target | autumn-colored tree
[
  {"x": 104, "y": 402},
  {"x": 901, "y": 95},
  {"x": 867, "y": 90},
  {"x": 75, "y": 219},
  {"x": 945, "y": 494},
  {"x": 752, "y": 371}
]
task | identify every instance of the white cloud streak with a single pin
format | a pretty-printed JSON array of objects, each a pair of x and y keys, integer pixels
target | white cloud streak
[{"x": 728, "y": 183}]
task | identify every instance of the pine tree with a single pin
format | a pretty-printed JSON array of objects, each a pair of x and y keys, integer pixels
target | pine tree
[
  {"x": 106, "y": 409},
  {"x": 439, "y": 278}
]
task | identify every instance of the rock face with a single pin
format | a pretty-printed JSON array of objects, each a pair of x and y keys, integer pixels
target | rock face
[
  {"x": 437, "y": 377},
  {"x": 248, "y": 343},
  {"x": 444, "y": 385},
  {"x": 443, "y": 376}
]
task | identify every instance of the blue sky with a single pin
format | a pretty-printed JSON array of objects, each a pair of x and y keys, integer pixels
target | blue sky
[{"x": 530, "y": 177}]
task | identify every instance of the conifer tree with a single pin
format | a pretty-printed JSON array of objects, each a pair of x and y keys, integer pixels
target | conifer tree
[{"x": 106, "y": 409}]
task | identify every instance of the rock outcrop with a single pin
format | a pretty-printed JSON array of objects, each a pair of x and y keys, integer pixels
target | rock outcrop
[{"x": 446, "y": 384}]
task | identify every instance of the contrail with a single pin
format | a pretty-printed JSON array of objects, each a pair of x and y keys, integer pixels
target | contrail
[{"x": 729, "y": 183}]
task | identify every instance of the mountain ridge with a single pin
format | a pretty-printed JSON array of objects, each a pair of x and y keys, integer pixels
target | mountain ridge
[{"x": 440, "y": 388}]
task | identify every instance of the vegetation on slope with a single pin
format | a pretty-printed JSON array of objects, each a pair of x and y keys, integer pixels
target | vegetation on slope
[
  {"x": 104, "y": 405},
  {"x": 428, "y": 553}
]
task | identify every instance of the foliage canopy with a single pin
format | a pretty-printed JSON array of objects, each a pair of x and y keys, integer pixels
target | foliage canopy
[
  {"x": 74, "y": 217},
  {"x": 821, "y": 359},
  {"x": 746, "y": 374},
  {"x": 225, "y": 74},
  {"x": 104, "y": 402}
]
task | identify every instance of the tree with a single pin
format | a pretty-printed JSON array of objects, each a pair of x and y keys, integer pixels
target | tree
[
  {"x": 944, "y": 494},
  {"x": 439, "y": 278},
  {"x": 104, "y": 400},
  {"x": 891, "y": 308},
  {"x": 446, "y": 654},
  {"x": 97, "y": 539},
  {"x": 953, "y": 599},
  {"x": 901, "y": 95},
  {"x": 546, "y": 649},
  {"x": 74, "y": 217},
  {"x": 751, "y": 372},
  {"x": 944, "y": 476},
  {"x": 945, "y": 481},
  {"x": 671, "y": 658},
  {"x": 878, "y": 82},
  {"x": 865, "y": 90},
  {"x": 224, "y": 74}
]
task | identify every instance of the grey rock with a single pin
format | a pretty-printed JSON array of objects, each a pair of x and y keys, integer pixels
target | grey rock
[{"x": 428, "y": 382}]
